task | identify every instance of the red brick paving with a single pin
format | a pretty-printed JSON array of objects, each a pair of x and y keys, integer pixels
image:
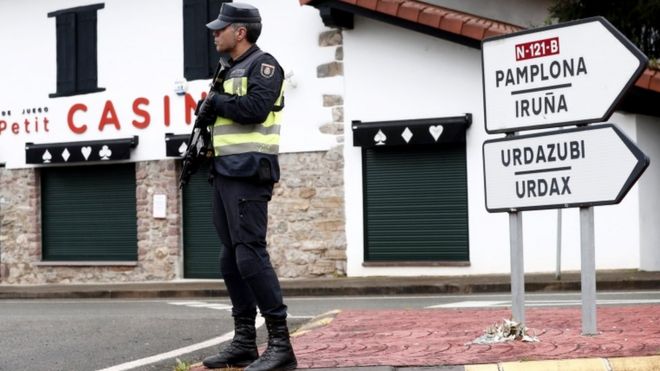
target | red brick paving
[{"x": 434, "y": 337}]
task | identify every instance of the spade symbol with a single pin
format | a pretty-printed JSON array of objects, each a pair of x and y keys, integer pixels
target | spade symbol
[
  {"x": 380, "y": 138},
  {"x": 47, "y": 157},
  {"x": 182, "y": 148}
]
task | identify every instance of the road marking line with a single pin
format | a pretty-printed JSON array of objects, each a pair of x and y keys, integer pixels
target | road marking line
[
  {"x": 468, "y": 304},
  {"x": 186, "y": 302},
  {"x": 201, "y": 304},
  {"x": 177, "y": 352},
  {"x": 540, "y": 303}
]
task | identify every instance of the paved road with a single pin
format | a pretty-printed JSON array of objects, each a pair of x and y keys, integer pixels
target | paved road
[{"x": 110, "y": 334}]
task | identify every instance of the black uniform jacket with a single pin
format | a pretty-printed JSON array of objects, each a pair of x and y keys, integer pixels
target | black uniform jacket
[{"x": 251, "y": 108}]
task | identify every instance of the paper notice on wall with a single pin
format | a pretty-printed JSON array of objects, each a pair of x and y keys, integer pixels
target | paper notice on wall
[{"x": 160, "y": 206}]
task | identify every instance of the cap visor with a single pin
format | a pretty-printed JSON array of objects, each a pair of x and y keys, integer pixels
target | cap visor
[{"x": 217, "y": 25}]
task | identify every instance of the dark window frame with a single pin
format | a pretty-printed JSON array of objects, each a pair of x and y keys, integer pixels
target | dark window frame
[
  {"x": 77, "y": 59},
  {"x": 200, "y": 58}
]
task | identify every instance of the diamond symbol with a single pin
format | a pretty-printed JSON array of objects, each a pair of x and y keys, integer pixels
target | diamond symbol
[
  {"x": 407, "y": 134},
  {"x": 66, "y": 155}
]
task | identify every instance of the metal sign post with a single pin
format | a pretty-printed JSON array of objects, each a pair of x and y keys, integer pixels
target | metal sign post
[
  {"x": 558, "y": 270},
  {"x": 588, "y": 261},
  {"x": 517, "y": 267}
]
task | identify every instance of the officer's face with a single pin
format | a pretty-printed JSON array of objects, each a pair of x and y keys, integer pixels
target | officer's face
[{"x": 227, "y": 38}]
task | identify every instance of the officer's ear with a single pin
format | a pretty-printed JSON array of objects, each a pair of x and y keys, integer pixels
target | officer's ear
[{"x": 241, "y": 33}]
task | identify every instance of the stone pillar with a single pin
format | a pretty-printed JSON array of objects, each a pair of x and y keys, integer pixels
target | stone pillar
[
  {"x": 158, "y": 238},
  {"x": 19, "y": 225},
  {"x": 335, "y": 68},
  {"x": 307, "y": 237}
]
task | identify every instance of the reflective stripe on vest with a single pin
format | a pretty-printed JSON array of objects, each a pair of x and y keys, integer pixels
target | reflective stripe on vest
[{"x": 230, "y": 138}]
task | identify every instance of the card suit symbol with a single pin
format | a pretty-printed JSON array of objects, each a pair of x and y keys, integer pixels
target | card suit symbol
[
  {"x": 47, "y": 157},
  {"x": 105, "y": 153},
  {"x": 66, "y": 155},
  {"x": 182, "y": 148},
  {"x": 380, "y": 138},
  {"x": 86, "y": 151},
  {"x": 436, "y": 131},
  {"x": 407, "y": 135}
]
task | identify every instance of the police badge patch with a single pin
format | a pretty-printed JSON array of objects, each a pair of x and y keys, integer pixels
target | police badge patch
[{"x": 267, "y": 70}]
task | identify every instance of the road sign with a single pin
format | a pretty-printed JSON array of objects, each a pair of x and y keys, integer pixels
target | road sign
[
  {"x": 570, "y": 73},
  {"x": 586, "y": 166}
]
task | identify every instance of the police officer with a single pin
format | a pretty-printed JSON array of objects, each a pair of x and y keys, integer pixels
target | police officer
[{"x": 246, "y": 136}]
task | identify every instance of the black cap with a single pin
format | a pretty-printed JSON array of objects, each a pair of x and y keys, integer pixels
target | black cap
[{"x": 235, "y": 13}]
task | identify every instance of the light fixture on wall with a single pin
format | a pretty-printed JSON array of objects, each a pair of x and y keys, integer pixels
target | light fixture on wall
[
  {"x": 290, "y": 82},
  {"x": 180, "y": 87}
]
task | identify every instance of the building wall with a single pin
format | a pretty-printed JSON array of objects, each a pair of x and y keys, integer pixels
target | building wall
[
  {"x": 140, "y": 55},
  {"x": 649, "y": 218},
  {"x": 407, "y": 75}
]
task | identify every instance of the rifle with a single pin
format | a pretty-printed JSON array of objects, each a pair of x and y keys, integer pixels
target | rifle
[
  {"x": 200, "y": 148},
  {"x": 199, "y": 144}
]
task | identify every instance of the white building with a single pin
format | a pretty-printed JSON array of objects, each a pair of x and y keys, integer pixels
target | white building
[{"x": 93, "y": 92}]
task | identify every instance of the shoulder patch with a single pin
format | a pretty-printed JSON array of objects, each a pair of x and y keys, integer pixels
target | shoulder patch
[{"x": 267, "y": 70}]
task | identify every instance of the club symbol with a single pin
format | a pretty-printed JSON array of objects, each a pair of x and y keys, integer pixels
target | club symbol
[
  {"x": 182, "y": 148},
  {"x": 66, "y": 155},
  {"x": 380, "y": 138},
  {"x": 47, "y": 157},
  {"x": 105, "y": 153}
]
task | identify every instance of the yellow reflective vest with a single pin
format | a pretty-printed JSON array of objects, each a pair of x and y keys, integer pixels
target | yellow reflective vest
[{"x": 231, "y": 138}]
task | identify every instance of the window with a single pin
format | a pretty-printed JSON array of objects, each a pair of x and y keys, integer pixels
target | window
[
  {"x": 200, "y": 58},
  {"x": 88, "y": 213},
  {"x": 76, "y": 50},
  {"x": 415, "y": 204}
]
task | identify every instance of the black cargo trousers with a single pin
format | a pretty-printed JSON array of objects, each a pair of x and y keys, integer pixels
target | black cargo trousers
[{"x": 240, "y": 216}]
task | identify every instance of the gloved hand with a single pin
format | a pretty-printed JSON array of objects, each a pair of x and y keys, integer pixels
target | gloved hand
[{"x": 206, "y": 107}]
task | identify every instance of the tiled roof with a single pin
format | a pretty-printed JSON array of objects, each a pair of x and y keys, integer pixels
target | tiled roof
[{"x": 460, "y": 23}]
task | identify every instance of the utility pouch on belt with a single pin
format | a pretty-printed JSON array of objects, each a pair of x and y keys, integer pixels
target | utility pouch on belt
[{"x": 264, "y": 173}]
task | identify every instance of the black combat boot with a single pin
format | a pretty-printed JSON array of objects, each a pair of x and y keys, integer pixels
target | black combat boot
[
  {"x": 243, "y": 348},
  {"x": 279, "y": 353}
]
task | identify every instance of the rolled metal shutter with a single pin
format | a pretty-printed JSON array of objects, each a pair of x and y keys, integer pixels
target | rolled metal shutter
[
  {"x": 89, "y": 213},
  {"x": 415, "y": 203},
  {"x": 201, "y": 245}
]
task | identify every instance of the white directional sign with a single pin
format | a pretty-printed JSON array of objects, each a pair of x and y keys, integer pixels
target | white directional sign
[
  {"x": 587, "y": 166},
  {"x": 570, "y": 73}
]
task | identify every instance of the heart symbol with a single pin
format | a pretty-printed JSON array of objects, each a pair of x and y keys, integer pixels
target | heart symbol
[
  {"x": 86, "y": 151},
  {"x": 436, "y": 131}
]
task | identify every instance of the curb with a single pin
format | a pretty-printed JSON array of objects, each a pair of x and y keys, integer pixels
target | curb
[
  {"x": 346, "y": 286},
  {"x": 650, "y": 363}
]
